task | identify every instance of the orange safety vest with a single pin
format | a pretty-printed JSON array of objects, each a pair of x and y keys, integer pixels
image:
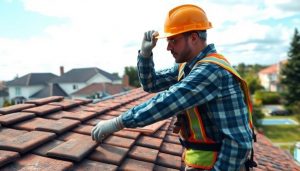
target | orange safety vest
[{"x": 205, "y": 156}]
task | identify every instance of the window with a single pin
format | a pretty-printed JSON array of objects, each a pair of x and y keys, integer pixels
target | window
[
  {"x": 18, "y": 91},
  {"x": 75, "y": 87}
]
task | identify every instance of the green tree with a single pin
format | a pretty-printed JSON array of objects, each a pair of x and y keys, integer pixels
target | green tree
[
  {"x": 253, "y": 83},
  {"x": 241, "y": 68},
  {"x": 133, "y": 76},
  {"x": 249, "y": 73},
  {"x": 291, "y": 71}
]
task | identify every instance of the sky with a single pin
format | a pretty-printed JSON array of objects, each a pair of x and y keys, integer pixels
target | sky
[{"x": 39, "y": 36}]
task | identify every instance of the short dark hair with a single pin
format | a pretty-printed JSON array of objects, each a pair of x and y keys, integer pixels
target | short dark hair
[{"x": 201, "y": 33}]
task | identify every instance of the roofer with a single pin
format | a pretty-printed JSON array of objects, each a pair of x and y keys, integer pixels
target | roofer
[{"x": 209, "y": 98}]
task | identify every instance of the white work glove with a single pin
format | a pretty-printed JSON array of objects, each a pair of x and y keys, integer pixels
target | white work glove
[
  {"x": 106, "y": 127},
  {"x": 149, "y": 42}
]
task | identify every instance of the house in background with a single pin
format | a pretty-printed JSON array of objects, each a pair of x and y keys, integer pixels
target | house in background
[
  {"x": 79, "y": 78},
  {"x": 21, "y": 89},
  {"x": 80, "y": 82},
  {"x": 270, "y": 77},
  {"x": 3, "y": 93}
]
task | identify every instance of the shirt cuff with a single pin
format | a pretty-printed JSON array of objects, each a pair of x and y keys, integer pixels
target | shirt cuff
[{"x": 146, "y": 58}]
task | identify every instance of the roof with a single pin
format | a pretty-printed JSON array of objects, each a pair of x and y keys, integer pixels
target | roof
[
  {"x": 83, "y": 75},
  {"x": 53, "y": 133},
  {"x": 32, "y": 79},
  {"x": 52, "y": 89},
  {"x": 101, "y": 87},
  {"x": 273, "y": 69}
]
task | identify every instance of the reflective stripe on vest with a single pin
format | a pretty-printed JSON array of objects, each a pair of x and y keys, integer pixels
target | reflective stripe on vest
[
  {"x": 201, "y": 158},
  {"x": 221, "y": 61}
]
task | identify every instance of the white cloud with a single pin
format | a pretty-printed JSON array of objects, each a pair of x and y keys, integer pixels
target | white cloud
[{"x": 107, "y": 34}]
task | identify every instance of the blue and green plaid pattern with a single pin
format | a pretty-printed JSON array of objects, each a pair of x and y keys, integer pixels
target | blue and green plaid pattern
[{"x": 214, "y": 90}]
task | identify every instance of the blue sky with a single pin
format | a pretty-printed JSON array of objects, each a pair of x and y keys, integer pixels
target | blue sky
[
  {"x": 42, "y": 35},
  {"x": 17, "y": 23}
]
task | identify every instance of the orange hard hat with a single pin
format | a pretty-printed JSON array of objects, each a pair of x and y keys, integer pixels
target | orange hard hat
[{"x": 185, "y": 18}]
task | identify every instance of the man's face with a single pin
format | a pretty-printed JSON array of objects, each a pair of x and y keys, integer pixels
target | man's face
[{"x": 180, "y": 48}]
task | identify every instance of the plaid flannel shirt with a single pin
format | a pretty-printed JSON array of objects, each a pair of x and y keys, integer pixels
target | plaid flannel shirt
[{"x": 214, "y": 90}]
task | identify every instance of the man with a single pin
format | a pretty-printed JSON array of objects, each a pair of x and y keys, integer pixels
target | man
[{"x": 210, "y": 100}]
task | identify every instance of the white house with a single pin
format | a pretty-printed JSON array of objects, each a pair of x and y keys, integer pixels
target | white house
[
  {"x": 79, "y": 78},
  {"x": 270, "y": 77},
  {"x": 39, "y": 85},
  {"x": 20, "y": 89}
]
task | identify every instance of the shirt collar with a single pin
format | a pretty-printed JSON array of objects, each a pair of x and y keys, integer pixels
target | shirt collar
[{"x": 207, "y": 50}]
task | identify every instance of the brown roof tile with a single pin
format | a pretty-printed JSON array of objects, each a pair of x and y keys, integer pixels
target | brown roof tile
[
  {"x": 171, "y": 148},
  {"x": 150, "y": 142},
  {"x": 15, "y": 108},
  {"x": 27, "y": 141},
  {"x": 83, "y": 129},
  {"x": 149, "y": 129},
  {"x": 143, "y": 154},
  {"x": 42, "y": 150},
  {"x": 46, "y": 100},
  {"x": 88, "y": 165},
  {"x": 83, "y": 101},
  {"x": 109, "y": 154},
  {"x": 78, "y": 115},
  {"x": 132, "y": 165},
  {"x": 42, "y": 110},
  {"x": 12, "y": 118},
  {"x": 159, "y": 134},
  {"x": 73, "y": 120},
  {"x": 7, "y": 157},
  {"x": 127, "y": 134},
  {"x": 172, "y": 139},
  {"x": 73, "y": 135},
  {"x": 35, "y": 162},
  {"x": 119, "y": 141},
  {"x": 72, "y": 149},
  {"x": 56, "y": 126},
  {"x": 161, "y": 168},
  {"x": 169, "y": 160},
  {"x": 66, "y": 104}
]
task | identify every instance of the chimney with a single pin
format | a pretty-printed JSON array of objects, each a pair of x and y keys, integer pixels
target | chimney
[
  {"x": 126, "y": 80},
  {"x": 61, "y": 70}
]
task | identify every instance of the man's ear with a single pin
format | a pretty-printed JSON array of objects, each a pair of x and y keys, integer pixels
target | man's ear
[{"x": 194, "y": 37}]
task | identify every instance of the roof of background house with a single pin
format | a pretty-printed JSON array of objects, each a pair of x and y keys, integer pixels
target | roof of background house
[
  {"x": 83, "y": 75},
  {"x": 270, "y": 69},
  {"x": 54, "y": 134},
  {"x": 3, "y": 89},
  {"x": 32, "y": 79},
  {"x": 101, "y": 87},
  {"x": 51, "y": 89}
]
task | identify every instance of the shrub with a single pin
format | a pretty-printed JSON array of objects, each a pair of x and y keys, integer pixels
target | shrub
[
  {"x": 257, "y": 115},
  {"x": 267, "y": 97}
]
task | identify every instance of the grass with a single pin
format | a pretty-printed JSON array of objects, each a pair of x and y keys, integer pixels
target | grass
[{"x": 285, "y": 136}]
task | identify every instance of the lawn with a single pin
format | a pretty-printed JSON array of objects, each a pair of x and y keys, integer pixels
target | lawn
[{"x": 284, "y": 136}]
